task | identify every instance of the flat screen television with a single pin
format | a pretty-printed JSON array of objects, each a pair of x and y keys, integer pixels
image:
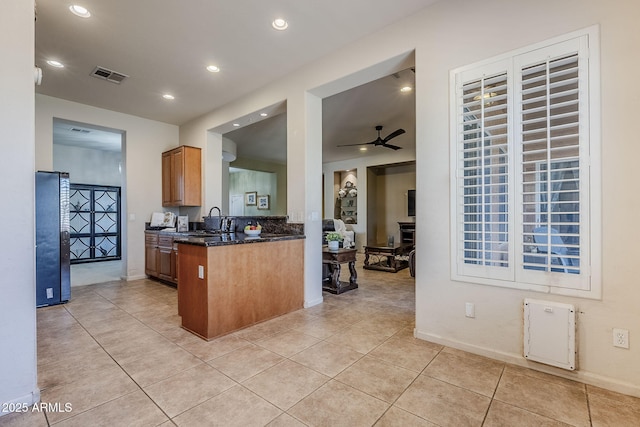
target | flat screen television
[{"x": 411, "y": 203}]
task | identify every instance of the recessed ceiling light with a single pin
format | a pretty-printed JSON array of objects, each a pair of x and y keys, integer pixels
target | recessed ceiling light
[
  {"x": 280, "y": 24},
  {"x": 406, "y": 89},
  {"x": 263, "y": 114},
  {"x": 363, "y": 148},
  {"x": 213, "y": 68},
  {"x": 80, "y": 11},
  {"x": 168, "y": 96},
  {"x": 56, "y": 64},
  {"x": 236, "y": 125}
]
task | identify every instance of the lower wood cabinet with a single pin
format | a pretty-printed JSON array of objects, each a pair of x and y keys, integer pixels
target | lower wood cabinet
[
  {"x": 151, "y": 254},
  {"x": 227, "y": 288},
  {"x": 161, "y": 257}
]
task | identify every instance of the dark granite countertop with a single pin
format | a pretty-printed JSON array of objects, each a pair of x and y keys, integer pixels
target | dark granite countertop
[{"x": 231, "y": 238}]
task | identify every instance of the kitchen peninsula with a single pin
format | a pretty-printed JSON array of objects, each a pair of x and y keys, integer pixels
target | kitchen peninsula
[{"x": 230, "y": 281}]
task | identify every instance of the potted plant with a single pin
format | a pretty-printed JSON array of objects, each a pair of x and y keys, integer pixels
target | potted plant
[{"x": 333, "y": 240}]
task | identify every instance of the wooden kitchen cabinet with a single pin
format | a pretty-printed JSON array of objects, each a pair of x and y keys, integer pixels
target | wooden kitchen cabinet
[
  {"x": 226, "y": 288},
  {"x": 161, "y": 257},
  {"x": 151, "y": 254},
  {"x": 166, "y": 261},
  {"x": 182, "y": 177}
]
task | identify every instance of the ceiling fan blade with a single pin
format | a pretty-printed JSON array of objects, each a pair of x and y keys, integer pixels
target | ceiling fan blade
[
  {"x": 393, "y": 147},
  {"x": 394, "y": 134},
  {"x": 353, "y": 145}
]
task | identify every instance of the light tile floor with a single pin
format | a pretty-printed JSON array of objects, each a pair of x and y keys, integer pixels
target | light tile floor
[{"x": 117, "y": 355}]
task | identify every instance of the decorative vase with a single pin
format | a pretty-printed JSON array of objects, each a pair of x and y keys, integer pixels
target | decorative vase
[{"x": 334, "y": 245}]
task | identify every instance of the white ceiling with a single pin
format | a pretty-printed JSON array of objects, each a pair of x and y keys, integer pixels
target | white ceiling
[{"x": 165, "y": 45}]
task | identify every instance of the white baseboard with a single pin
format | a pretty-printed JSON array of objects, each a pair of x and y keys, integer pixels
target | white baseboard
[
  {"x": 136, "y": 277},
  {"x": 308, "y": 304},
  {"x": 21, "y": 402},
  {"x": 519, "y": 360}
]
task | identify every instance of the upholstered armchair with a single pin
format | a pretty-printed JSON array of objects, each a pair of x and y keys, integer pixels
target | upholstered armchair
[{"x": 349, "y": 236}]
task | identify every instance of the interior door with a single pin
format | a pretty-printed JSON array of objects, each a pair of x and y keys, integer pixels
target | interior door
[{"x": 236, "y": 205}]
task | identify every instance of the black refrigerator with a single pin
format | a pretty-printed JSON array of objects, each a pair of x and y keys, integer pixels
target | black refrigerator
[{"x": 53, "y": 280}]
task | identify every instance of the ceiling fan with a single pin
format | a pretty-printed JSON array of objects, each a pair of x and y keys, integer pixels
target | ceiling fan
[{"x": 381, "y": 141}]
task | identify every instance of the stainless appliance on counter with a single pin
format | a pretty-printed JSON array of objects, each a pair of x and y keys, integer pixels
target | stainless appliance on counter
[{"x": 53, "y": 280}]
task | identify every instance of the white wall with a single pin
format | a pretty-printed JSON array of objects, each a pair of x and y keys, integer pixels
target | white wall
[
  {"x": 497, "y": 329},
  {"x": 443, "y": 39},
  {"x": 18, "y": 383},
  {"x": 88, "y": 166},
  {"x": 144, "y": 142}
]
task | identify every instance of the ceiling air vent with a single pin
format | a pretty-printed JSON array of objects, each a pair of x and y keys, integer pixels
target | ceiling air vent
[{"x": 109, "y": 75}]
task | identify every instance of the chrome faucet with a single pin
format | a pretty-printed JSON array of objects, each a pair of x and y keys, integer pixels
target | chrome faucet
[
  {"x": 211, "y": 210},
  {"x": 219, "y": 216}
]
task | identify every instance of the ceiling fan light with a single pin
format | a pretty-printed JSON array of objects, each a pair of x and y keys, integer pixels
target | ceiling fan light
[
  {"x": 213, "y": 69},
  {"x": 487, "y": 95}
]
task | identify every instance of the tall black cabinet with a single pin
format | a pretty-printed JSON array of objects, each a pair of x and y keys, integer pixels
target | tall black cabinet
[{"x": 53, "y": 280}]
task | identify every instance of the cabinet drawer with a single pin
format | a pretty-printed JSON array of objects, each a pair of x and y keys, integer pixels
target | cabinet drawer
[
  {"x": 165, "y": 241},
  {"x": 151, "y": 238}
]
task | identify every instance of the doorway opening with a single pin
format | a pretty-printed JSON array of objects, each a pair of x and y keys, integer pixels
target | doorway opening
[{"x": 92, "y": 155}]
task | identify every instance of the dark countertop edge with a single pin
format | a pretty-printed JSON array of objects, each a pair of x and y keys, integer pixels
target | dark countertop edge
[
  {"x": 274, "y": 217},
  {"x": 240, "y": 238}
]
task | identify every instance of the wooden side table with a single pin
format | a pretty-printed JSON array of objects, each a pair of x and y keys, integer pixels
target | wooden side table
[{"x": 332, "y": 261}]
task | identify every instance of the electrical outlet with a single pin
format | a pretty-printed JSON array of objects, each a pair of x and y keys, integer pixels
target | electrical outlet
[{"x": 620, "y": 338}]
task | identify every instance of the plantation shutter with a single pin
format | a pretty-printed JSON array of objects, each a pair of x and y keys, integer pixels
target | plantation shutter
[
  {"x": 483, "y": 174},
  {"x": 551, "y": 140},
  {"x": 525, "y": 169}
]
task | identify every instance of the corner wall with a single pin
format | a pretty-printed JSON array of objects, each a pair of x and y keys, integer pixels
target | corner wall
[{"x": 18, "y": 368}]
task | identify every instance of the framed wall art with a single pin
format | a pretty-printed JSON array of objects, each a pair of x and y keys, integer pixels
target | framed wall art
[
  {"x": 264, "y": 202},
  {"x": 250, "y": 198}
]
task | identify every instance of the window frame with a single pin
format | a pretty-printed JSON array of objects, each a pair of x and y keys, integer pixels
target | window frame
[{"x": 515, "y": 275}]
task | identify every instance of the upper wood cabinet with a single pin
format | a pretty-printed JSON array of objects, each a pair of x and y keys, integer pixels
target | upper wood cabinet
[{"x": 182, "y": 177}]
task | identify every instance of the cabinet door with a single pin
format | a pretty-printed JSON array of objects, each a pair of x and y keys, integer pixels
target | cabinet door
[
  {"x": 164, "y": 264},
  {"x": 177, "y": 177},
  {"x": 151, "y": 260},
  {"x": 167, "y": 182},
  {"x": 181, "y": 177}
]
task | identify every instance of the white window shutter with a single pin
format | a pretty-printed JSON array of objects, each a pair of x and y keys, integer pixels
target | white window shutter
[
  {"x": 551, "y": 105},
  {"x": 525, "y": 191},
  {"x": 483, "y": 170}
]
